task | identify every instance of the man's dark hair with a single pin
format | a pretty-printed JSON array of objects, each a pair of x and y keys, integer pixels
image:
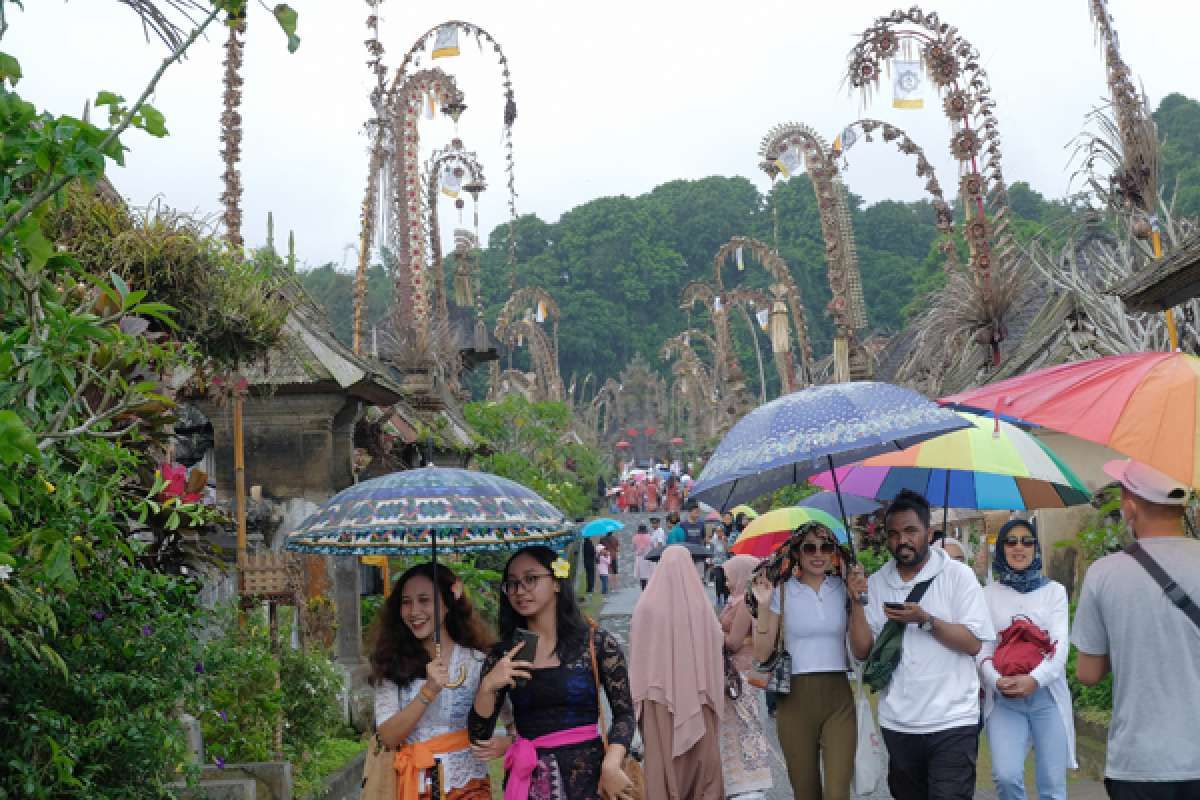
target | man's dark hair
[
  {"x": 908, "y": 500},
  {"x": 691, "y": 505}
]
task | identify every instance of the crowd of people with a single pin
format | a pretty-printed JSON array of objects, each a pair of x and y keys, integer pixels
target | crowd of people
[{"x": 948, "y": 657}]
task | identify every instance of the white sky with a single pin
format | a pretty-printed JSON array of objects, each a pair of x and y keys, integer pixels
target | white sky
[{"x": 614, "y": 97}]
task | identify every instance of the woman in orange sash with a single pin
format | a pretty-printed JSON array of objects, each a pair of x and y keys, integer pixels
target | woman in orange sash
[{"x": 421, "y": 698}]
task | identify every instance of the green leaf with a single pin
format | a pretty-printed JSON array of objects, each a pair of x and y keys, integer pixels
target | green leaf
[
  {"x": 16, "y": 440},
  {"x": 58, "y": 562},
  {"x": 153, "y": 121},
  {"x": 10, "y": 69},
  {"x": 108, "y": 99},
  {"x": 5, "y": 514},
  {"x": 9, "y": 490},
  {"x": 288, "y": 19}
]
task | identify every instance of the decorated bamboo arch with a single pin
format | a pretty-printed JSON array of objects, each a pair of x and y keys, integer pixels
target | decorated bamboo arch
[
  {"x": 953, "y": 65},
  {"x": 519, "y": 320},
  {"x": 783, "y": 289},
  {"x": 461, "y": 160}
]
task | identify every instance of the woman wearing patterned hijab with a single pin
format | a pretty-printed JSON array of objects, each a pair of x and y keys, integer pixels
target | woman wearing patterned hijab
[{"x": 1035, "y": 706}]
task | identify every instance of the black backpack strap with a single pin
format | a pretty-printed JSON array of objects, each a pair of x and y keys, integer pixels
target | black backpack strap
[{"x": 1173, "y": 590}]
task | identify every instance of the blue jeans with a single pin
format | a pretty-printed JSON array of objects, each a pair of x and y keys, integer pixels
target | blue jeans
[
  {"x": 603, "y": 584},
  {"x": 1013, "y": 724}
]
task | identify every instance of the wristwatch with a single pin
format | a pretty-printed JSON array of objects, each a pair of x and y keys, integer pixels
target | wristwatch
[{"x": 927, "y": 625}]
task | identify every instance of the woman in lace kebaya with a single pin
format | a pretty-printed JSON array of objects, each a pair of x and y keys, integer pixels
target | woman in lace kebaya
[
  {"x": 422, "y": 700},
  {"x": 558, "y": 753}
]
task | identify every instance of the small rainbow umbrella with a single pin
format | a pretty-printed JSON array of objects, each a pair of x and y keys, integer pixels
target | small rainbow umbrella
[
  {"x": 744, "y": 509},
  {"x": 1143, "y": 405},
  {"x": 772, "y": 529},
  {"x": 991, "y": 465}
]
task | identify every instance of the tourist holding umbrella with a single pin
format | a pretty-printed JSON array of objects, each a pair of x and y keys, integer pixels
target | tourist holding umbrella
[
  {"x": 559, "y": 752},
  {"x": 418, "y": 712},
  {"x": 419, "y": 512},
  {"x": 809, "y": 615}
]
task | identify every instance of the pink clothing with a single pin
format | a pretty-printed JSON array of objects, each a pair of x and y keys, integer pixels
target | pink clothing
[
  {"x": 735, "y": 618},
  {"x": 522, "y": 758},
  {"x": 673, "y": 623},
  {"x": 602, "y": 562}
]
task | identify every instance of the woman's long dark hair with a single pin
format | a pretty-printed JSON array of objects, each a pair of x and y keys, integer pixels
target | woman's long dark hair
[
  {"x": 572, "y": 628},
  {"x": 398, "y": 655}
]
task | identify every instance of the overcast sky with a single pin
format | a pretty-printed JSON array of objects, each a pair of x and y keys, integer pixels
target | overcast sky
[{"x": 614, "y": 97}]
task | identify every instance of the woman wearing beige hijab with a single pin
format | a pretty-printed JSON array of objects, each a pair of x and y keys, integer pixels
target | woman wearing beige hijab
[
  {"x": 745, "y": 753},
  {"x": 678, "y": 682}
]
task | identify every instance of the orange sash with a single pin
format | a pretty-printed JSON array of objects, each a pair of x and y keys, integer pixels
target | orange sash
[{"x": 412, "y": 758}]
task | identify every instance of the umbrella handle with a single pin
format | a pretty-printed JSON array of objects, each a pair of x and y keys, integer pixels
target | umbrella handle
[
  {"x": 837, "y": 489},
  {"x": 460, "y": 678}
]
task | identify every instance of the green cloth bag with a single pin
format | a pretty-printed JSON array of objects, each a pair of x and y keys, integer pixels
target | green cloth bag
[{"x": 889, "y": 646}]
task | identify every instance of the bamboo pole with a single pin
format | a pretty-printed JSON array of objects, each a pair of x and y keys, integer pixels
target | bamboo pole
[{"x": 239, "y": 483}]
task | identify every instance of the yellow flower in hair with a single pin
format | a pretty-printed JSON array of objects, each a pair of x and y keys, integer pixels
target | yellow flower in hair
[{"x": 561, "y": 568}]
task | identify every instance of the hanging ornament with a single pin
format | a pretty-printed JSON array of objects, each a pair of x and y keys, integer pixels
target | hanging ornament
[{"x": 780, "y": 336}]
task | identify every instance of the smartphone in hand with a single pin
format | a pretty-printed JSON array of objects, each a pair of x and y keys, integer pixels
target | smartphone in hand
[
  {"x": 894, "y": 606},
  {"x": 528, "y": 641}
]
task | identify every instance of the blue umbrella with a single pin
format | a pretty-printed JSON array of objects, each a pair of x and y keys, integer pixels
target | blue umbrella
[
  {"x": 829, "y": 503},
  {"x": 422, "y": 511},
  {"x": 601, "y": 527},
  {"x": 819, "y": 428}
]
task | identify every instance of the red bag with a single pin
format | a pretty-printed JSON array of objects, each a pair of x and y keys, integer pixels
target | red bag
[{"x": 1022, "y": 647}]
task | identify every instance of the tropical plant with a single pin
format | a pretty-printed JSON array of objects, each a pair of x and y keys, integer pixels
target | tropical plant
[{"x": 95, "y": 648}]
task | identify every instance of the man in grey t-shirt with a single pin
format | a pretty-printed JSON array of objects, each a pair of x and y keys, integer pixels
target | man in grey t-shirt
[{"x": 1126, "y": 623}]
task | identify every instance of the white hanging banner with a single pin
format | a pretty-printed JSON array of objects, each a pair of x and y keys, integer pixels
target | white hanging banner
[
  {"x": 446, "y": 43},
  {"x": 763, "y": 316},
  {"x": 741, "y": 265},
  {"x": 451, "y": 183},
  {"x": 906, "y": 84},
  {"x": 789, "y": 162},
  {"x": 541, "y": 311},
  {"x": 716, "y": 304}
]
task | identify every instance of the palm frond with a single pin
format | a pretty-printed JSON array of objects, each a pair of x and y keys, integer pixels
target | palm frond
[{"x": 164, "y": 18}]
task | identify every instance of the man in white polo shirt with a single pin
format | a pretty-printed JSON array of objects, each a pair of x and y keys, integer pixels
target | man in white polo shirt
[
  {"x": 1129, "y": 624},
  {"x": 929, "y": 711}
]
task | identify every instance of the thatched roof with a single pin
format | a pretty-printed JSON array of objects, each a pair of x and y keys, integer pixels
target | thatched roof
[
  {"x": 1169, "y": 282},
  {"x": 308, "y": 356}
]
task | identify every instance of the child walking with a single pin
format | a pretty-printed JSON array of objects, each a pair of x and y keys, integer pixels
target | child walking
[{"x": 603, "y": 560}]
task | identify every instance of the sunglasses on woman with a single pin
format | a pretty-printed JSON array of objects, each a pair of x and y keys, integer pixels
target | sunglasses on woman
[
  {"x": 1024, "y": 541},
  {"x": 810, "y": 548}
]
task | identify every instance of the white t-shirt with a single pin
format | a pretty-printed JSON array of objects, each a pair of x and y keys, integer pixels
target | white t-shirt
[
  {"x": 814, "y": 625},
  {"x": 933, "y": 688}
]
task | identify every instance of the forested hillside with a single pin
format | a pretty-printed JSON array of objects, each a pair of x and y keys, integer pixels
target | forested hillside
[{"x": 616, "y": 265}]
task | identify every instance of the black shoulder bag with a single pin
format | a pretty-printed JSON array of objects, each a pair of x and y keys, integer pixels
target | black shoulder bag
[{"x": 1173, "y": 590}]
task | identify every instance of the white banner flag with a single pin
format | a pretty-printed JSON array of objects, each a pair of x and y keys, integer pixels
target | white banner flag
[
  {"x": 906, "y": 84},
  {"x": 741, "y": 265},
  {"x": 446, "y": 43},
  {"x": 451, "y": 183},
  {"x": 763, "y": 316},
  {"x": 789, "y": 162}
]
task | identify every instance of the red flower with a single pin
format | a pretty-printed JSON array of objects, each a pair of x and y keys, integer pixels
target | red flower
[{"x": 176, "y": 477}]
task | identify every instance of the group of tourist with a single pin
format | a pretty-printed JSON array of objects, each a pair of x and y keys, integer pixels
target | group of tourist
[{"x": 948, "y": 656}]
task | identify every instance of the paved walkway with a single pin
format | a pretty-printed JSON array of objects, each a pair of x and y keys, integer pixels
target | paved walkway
[{"x": 615, "y": 617}]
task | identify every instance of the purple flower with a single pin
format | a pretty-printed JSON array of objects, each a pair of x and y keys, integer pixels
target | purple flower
[
  {"x": 147, "y": 630},
  {"x": 98, "y": 615},
  {"x": 220, "y": 762},
  {"x": 199, "y": 668},
  {"x": 224, "y": 717}
]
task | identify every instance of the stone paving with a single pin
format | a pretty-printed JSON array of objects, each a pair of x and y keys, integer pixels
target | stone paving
[{"x": 615, "y": 617}]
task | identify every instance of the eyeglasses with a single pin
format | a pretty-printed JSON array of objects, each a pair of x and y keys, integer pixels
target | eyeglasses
[
  {"x": 1024, "y": 541},
  {"x": 809, "y": 548},
  {"x": 526, "y": 582}
]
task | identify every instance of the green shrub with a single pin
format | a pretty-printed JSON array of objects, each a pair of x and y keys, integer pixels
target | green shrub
[
  {"x": 109, "y": 730},
  {"x": 312, "y": 688}
]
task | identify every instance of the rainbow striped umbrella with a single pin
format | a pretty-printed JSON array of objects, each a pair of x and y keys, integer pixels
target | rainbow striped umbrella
[
  {"x": 991, "y": 465},
  {"x": 772, "y": 529}
]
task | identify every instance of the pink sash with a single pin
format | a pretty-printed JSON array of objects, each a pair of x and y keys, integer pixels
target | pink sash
[{"x": 522, "y": 758}]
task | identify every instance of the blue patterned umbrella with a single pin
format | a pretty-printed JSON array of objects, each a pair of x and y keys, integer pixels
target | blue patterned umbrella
[
  {"x": 416, "y": 511},
  {"x": 815, "y": 429},
  {"x": 601, "y": 527},
  {"x": 422, "y": 511}
]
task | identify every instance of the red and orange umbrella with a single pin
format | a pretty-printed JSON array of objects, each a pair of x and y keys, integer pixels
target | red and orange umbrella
[{"x": 1143, "y": 405}]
